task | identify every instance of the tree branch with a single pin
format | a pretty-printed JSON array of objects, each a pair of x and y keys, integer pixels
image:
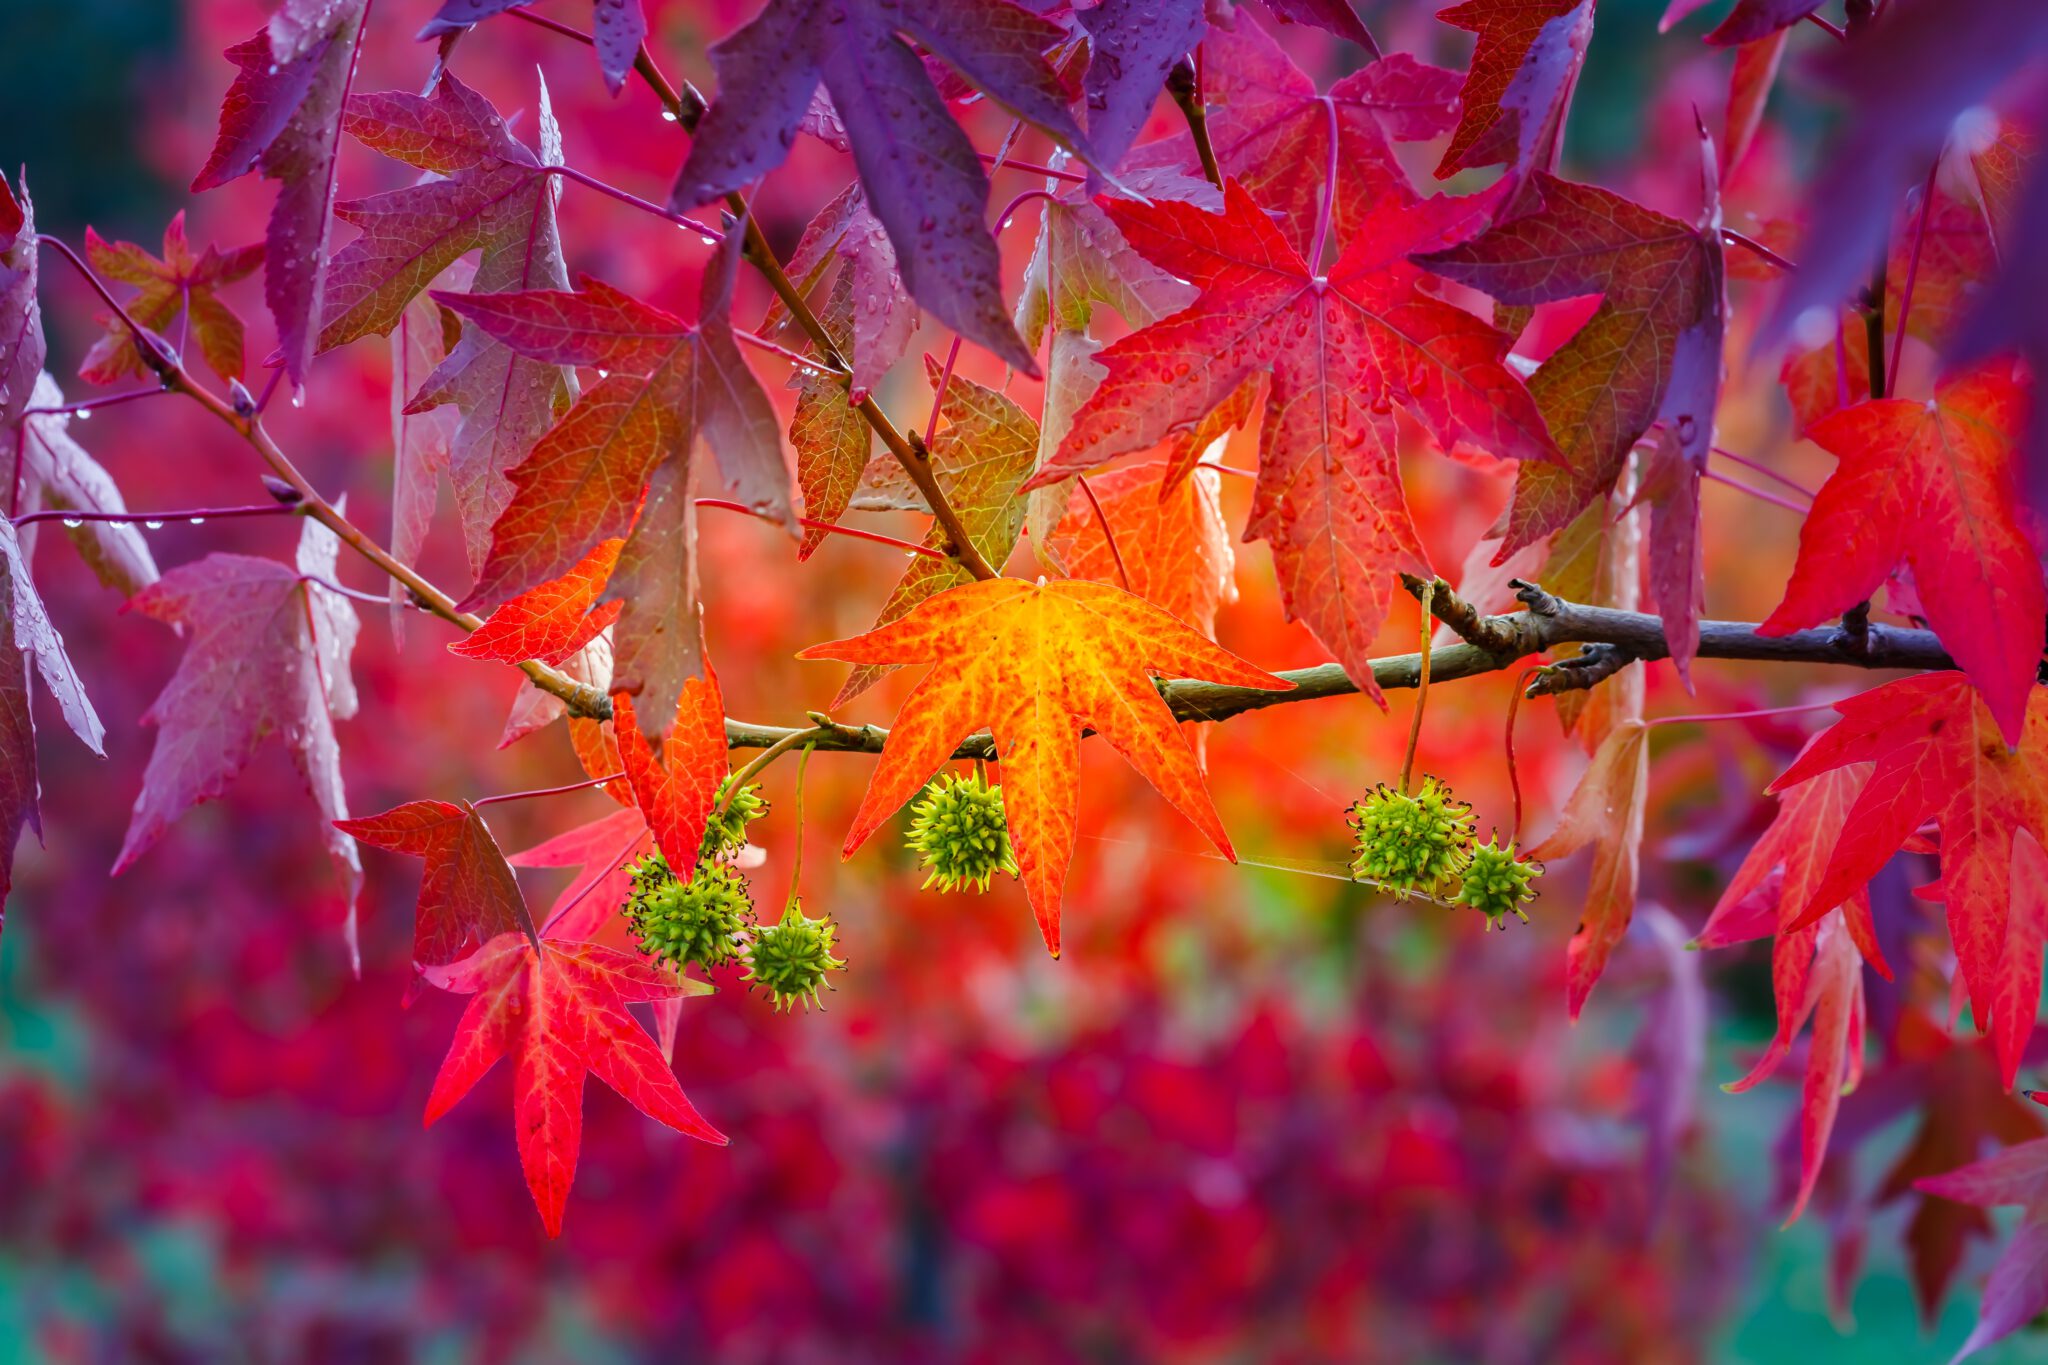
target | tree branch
[{"x": 1493, "y": 643}]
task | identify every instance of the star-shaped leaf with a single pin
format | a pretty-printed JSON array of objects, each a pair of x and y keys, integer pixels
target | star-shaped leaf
[
  {"x": 1524, "y": 65},
  {"x": 266, "y": 655},
  {"x": 1930, "y": 485},
  {"x": 178, "y": 284},
  {"x": 1340, "y": 350},
  {"x": 560, "y": 1011},
  {"x": 1035, "y": 665},
  {"x": 1941, "y": 756},
  {"x": 552, "y": 621}
]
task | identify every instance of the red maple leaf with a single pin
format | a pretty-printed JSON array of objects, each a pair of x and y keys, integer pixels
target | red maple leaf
[
  {"x": 179, "y": 283},
  {"x": 1816, "y": 971},
  {"x": 486, "y": 192},
  {"x": 1341, "y": 350},
  {"x": 1930, "y": 485},
  {"x": 674, "y": 788},
  {"x": 1524, "y": 65},
  {"x": 1940, "y": 756},
  {"x": 266, "y": 655},
  {"x": 552, "y": 621},
  {"x": 468, "y": 894},
  {"x": 625, "y": 448},
  {"x": 279, "y": 118},
  {"x": 560, "y": 1010},
  {"x": 1606, "y": 812}
]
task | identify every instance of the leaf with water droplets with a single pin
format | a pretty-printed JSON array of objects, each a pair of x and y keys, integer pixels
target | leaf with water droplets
[
  {"x": 266, "y": 655},
  {"x": 617, "y": 29},
  {"x": 279, "y": 118},
  {"x": 1524, "y": 64},
  {"x": 22, "y": 348},
  {"x": 58, "y": 475}
]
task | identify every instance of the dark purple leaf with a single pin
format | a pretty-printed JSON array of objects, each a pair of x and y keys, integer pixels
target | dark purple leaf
[{"x": 1132, "y": 44}]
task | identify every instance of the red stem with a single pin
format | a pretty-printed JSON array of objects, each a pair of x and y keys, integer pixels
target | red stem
[
  {"x": 1912, "y": 271},
  {"x": 1514, "y": 774},
  {"x": 1107, "y": 534},
  {"x": 711, "y": 235},
  {"x": 1801, "y": 489},
  {"x": 1229, "y": 469},
  {"x": 543, "y": 791},
  {"x": 931, "y": 426},
  {"x": 1031, "y": 168},
  {"x": 1835, "y": 31},
  {"x": 1759, "y": 494},
  {"x": 836, "y": 530},
  {"x": 91, "y": 404},
  {"x": 1740, "y": 715},
  {"x": 596, "y": 881},
  {"x": 1751, "y": 244},
  {"x": 763, "y": 343}
]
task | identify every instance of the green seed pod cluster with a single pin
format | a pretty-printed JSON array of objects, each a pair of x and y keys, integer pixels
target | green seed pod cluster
[
  {"x": 1497, "y": 881},
  {"x": 726, "y": 832},
  {"x": 1411, "y": 845},
  {"x": 700, "y": 922},
  {"x": 789, "y": 959},
  {"x": 959, "y": 827}
]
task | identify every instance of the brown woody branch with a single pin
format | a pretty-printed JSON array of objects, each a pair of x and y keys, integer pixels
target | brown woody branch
[{"x": 1491, "y": 644}]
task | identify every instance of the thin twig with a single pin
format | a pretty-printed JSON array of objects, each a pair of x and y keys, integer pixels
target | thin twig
[
  {"x": 1759, "y": 494},
  {"x": 1752, "y": 245},
  {"x": 1107, "y": 534},
  {"x": 157, "y": 520},
  {"x": 1913, "y": 268},
  {"x": 1185, "y": 85},
  {"x": 833, "y": 527},
  {"x": 483, "y": 801}
]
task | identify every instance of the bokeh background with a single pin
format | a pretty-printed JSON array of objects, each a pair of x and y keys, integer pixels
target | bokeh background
[{"x": 1252, "y": 1115}]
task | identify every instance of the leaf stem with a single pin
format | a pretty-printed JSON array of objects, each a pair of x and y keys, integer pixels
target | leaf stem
[
  {"x": 1107, "y": 534},
  {"x": 774, "y": 751},
  {"x": 1427, "y": 596},
  {"x": 1759, "y": 494},
  {"x": 1184, "y": 83},
  {"x": 1514, "y": 773},
  {"x": 711, "y": 235},
  {"x": 1913, "y": 267},
  {"x": 483, "y": 801},
  {"x": 1801, "y": 489},
  {"x": 1758, "y": 249},
  {"x": 1007, "y": 163},
  {"x": 796, "y": 858},
  {"x": 835, "y": 528},
  {"x": 1701, "y": 719}
]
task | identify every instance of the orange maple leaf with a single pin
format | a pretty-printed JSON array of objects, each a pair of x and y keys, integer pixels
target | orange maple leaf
[{"x": 1036, "y": 664}]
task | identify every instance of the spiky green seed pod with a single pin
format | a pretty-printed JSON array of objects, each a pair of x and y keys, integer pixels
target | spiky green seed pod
[
  {"x": 958, "y": 827},
  {"x": 698, "y": 922},
  {"x": 789, "y": 959},
  {"x": 1496, "y": 882},
  {"x": 726, "y": 832},
  {"x": 1411, "y": 845}
]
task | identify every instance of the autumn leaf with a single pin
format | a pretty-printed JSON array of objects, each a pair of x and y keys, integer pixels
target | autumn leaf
[
  {"x": 1270, "y": 129},
  {"x": 981, "y": 459},
  {"x": 483, "y": 191},
  {"x": 618, "y": 27},
  {"x": 1651, "y": 351},
  {"x": 1816, "y": 965},
  {"x": 1166, "y": 542},
  {"x": 1332, "y": 16},
  {"x": 1340, "y": 351},
  {"x": 1930, "y": 485},
  {"x": 1749, "y": 90},
  {"x": 1524, "y": 64},
  {"x": 421, "y": 442},
  {"x": 30, "y": 641},
  {"x": 677, "y": 787},
  {"x": 1940, "y": 756},
  {"x": 266, "y": 655},
  {"x": 22, "y": 349},
  {"x": 560, "y": 1011},
  {"x": 468, "y": 894},
  {"x": 552, "y": 621},
  {"x": 279, "y": 119},
  {"x": 1606, "y": 812},
  {"x": 56, "y": 474},
  {"x": 1035, "y": 665},
  {"x": 1132, "y": 44},
  {"x": 923, "y": 179},
  {"x": 668, "y": 382},
  {"x": 179, "y": 284},
  {"x": 2017, "y": 1291},
  {"x": 879, "y": 316}
]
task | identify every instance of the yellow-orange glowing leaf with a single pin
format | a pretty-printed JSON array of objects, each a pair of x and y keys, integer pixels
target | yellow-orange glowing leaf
[{"x": 1035, "y": 665}]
